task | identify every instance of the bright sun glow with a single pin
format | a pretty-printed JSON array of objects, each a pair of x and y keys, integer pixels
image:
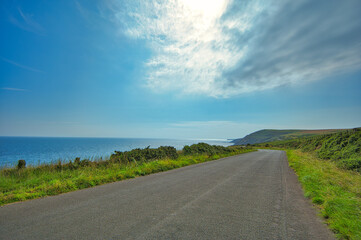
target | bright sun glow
[{"x": 208, "y": 8}]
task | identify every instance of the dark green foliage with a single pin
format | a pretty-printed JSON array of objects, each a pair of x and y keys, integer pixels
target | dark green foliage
[
  {"x": 350, "y": 164},
  {"x": 76, "y": 164},
  {"x": 342, "y": 147},
  {"x": 265, "y": 135},
  {"x": 77, "y": 161},
  {"x": 204, "y": 148},
  {"x": 21, "y": 164},
  {"x": 144, "y": 155},
  {"x": 59, "y": 166},
  {"x": 270, "y": 135}
]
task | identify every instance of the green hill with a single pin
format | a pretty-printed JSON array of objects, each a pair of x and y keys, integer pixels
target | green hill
[
  {"x": 343, "y": 147},
  {"x": 270, "y": 135}
]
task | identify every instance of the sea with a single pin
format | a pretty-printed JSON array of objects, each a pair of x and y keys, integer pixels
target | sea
[{"x": 41, "y": 150}]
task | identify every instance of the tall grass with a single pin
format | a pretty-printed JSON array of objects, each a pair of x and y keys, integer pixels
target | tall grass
[
  {"x": 328, "y": 167},
  {"x": 337, "y": 192},
  {"x": 18, "y": 184}
]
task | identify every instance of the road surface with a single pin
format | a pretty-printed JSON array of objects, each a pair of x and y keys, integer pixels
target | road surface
[{"x": 249, "y": 196}]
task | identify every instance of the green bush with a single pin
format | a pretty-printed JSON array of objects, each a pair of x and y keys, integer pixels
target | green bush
[
  {"x": 204, "y": 148},
  {"x": 350, "y": 164},
  {"x": 21, "y": 164},
  {"x": 144, "y": 155}
]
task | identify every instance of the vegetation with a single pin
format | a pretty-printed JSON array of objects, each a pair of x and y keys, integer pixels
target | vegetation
[
  {"x": 343, "y": 148},
  {"x": 204, "y": 148},
  {"x": 144, "y": 155},
  {"x": 269, "y": 135},
  {"x": 21, "y": 183},
  {"x": 21, "y": 164},
  {"x": 328, "y": 167},
  {"x": 337, "y": 192}
]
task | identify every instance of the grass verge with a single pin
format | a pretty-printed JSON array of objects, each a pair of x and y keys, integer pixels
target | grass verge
[
  {"x": 37, "y": 182},
  {"x": 335, "y": 191}
]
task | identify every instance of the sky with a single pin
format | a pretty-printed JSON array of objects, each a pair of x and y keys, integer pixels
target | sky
[{"x": 185, "y": 69}]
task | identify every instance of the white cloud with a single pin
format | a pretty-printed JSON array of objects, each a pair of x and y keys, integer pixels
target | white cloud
[
  {"x": 27, "y": 23},
  {"x": 22, "y": 66},
  {"x": 190, "y": 50},
  {"x": 228, "y": 47},
  {"x": 14, "y": 89}
]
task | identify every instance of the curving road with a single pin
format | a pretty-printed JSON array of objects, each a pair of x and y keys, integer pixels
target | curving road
[{"x": 249, "y": 196}]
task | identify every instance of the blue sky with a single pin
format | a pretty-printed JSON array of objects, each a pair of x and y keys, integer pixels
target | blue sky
[{"x": 178, "y": 69}]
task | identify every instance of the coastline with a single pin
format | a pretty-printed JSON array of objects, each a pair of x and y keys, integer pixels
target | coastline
[
  {"x": 43, "y": 150},
  {"x": 52, "y": 179}
]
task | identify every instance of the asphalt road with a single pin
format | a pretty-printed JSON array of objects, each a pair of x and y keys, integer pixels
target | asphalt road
[{"x": 250, "y": 196}]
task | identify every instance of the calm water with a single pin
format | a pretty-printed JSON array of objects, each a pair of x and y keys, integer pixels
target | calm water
[{"x": 37, "y": 150}]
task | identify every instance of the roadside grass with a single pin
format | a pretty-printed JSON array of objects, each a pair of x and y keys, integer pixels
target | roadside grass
[
  {"x": 36, "y": 182},
  {"x": 336, "y": 192}
]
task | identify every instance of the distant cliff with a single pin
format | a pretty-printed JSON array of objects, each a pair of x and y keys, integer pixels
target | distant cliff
[{"x": 269, "y": 135}]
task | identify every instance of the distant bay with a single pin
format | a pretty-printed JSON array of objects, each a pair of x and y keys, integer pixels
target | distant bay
[{"x": 39, "y": 150}]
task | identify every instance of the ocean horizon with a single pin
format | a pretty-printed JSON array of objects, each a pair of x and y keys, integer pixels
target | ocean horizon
[{"x": 41, "y": 150}]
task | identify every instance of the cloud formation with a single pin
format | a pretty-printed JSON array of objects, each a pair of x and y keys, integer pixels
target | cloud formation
[
  {"x": 225, "y": 48},
  {"x": 14, "y": 89},
  {"x": 27, "y": 23},
  {"x": 22, "y": 66}
]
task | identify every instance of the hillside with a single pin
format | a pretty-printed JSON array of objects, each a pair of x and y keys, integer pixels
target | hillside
[
  {"x": 343, "y": 148},
  {"x": 270, "y": 135}
]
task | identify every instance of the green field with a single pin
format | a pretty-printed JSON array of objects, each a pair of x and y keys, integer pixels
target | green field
[{"x": 22, "y": 183}]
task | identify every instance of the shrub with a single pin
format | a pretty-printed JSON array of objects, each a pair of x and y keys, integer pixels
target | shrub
[
  {"x": 59, "y": 166},
  {"x": 350, "y": 164},
  {"x": 21, "y": 164},
  {"x": 77, "y": 162},
  {"x": 144, "y": 155},
  {"x": 204, "y": 148}
]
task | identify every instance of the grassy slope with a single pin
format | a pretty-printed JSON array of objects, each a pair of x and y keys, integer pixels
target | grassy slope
[
  {"x": 36, "y": 182},
  {"x": 328, "y": 167},
  {"x": 343, "y": 148},
  {"x": 335, "y": 191},
  {"x": 268, "y": 135}
]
